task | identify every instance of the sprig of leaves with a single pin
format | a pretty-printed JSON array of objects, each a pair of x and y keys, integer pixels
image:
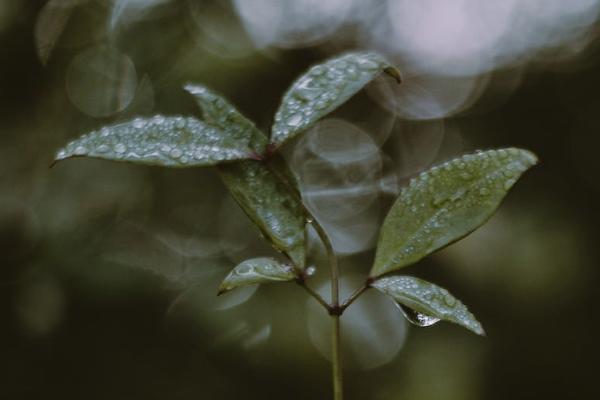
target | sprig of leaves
[{"x": 437, "y": 208}]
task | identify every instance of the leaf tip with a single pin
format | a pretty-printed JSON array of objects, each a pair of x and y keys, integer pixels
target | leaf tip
[
  {"x": 531, "y": 157},
  {"x": 222, "y": 289},
  {"x": 394, "y": 73},
  {"x": 194, "y": 88}
]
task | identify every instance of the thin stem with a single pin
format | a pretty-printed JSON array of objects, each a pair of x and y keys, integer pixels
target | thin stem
[
  {"x": 357, "y": 293},
  {"x": 333, "y": 308},
  {"x": 333, "y": 264},
  {"x": 335, "y": 312},
  {"x": 315, "y": 295},
  {"x": 336, "y": 357}
]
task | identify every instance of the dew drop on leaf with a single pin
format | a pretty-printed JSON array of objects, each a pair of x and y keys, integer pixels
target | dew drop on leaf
[{"x": 417, "y": 318}]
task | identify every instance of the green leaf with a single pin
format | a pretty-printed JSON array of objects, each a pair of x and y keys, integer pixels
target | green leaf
[
  {"x": 269, "y": 202},
  {"x": 257, "y": 270},
  {"x": 219, "y": 112},
  {"x": 160, "y": 140},
  {"x": 324, "y": 88},
  {"x": 445, "y": 204},
  {"x": 427, "y": 303}
]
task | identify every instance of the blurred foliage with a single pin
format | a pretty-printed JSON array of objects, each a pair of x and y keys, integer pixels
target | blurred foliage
[{"x": 109, "y": 271}]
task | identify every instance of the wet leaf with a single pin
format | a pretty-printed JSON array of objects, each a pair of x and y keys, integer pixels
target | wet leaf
[
  {"x": 425, "y": 303},
  {"x": 219, "y": 112},
  {"x": 166, "y": 141},
  {"x": 445, "y": 204},
  {"x": 257, "y": 270},
  {"x": 270, "y": 204},
  {"x": 324, "y": 88},
  {"x": 267, "y": 200}
]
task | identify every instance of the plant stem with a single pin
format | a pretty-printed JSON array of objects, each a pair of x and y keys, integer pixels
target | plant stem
[
  {"x": 335, "y": 312},
  {"x": 336, "y": 358},
  {"x": 334, "y": 308},
  {"x": 366, "y": 286},
  {"x": 315, "y": 295}
]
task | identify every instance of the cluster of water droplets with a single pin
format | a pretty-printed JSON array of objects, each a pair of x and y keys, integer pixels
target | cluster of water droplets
[
  {"x": 257, "y": 270},
  {"x": 425, "y": 304},
  {"x": 270, "y": 204},
  {"x": 160, "y": 140},
  {"x": 448, "y": 201},
  {"x": 257, "y": 189},
  {"x": 323, "y": 88},
  {"x": 218, "y": 111}
]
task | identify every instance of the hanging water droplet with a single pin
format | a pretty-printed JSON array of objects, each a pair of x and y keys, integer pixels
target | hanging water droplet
[{"x": 417, "y": 318}]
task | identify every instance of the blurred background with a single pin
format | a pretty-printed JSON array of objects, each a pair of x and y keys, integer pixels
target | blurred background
[{"x": 109, "y": 271}]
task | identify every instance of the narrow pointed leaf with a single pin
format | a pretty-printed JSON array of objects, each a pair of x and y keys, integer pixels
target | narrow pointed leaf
[
  {"x": 160, "y": 140},
  {"x": 324, "y": 88},
  {"x": 427, "y": 301},
  {"x": 218, "y": 111},
  {"x": 445, "y": 204},
  {"x": 223, "y": 114},
  {"x": 267, "y": 200},
  {"x": 257, "y": 270}
]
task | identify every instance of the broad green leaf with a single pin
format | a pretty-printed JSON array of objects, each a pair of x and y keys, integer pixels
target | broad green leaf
[
  {"x": 257, "y": 270},
  {"x": 445, "y": 204},
  {"x": 427, "y": 303},
  {"x": 159, "y": 140},
  {"x": 267, "y": 200},
  {"x": 324, "y": 88}
]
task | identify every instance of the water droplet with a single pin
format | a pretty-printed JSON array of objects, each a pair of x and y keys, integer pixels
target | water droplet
[
  {"x": 120, "y": 148},
  {"x": 418, "y": 318},
  {"x": 244, "y": 269},
  {"x": 295, "y": 120},
  {"x": 79, "y": 151},
  {"x": 449, "y": 300},
  {"x": 306, "y": 90},
  {"x": 176, "y": 153},
  {"x": 138, "y": 123}
]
